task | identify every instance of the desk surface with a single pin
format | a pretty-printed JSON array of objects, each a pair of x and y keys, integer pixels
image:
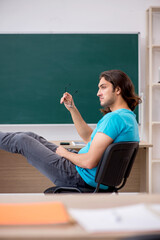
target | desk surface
[
  {"x": 71, "y": 231},
  {"x": 141, "y": 144}
]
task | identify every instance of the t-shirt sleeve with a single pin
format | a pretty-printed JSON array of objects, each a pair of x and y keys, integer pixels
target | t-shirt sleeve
[{"x": 112, "y": 126}]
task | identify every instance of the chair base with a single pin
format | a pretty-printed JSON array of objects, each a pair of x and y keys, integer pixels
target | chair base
[{"x": 58, "y": 189}]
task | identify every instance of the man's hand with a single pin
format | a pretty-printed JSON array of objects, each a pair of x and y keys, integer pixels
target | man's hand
[
  {"x": 67, "y": 100},
  {"x": 61, "y": 151}
]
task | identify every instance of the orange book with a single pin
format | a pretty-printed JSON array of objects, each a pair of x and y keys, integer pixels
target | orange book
[{"x": 33, "y": 213}]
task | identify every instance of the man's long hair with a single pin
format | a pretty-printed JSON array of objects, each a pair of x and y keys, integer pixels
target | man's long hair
[{"x": 120, "y": 79}]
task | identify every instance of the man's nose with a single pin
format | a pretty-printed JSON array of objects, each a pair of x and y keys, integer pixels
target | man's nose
[{"x": 98, "y": 93}]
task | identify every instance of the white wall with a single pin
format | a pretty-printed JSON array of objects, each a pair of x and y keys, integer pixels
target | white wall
[{"x": 50, "y": 16}]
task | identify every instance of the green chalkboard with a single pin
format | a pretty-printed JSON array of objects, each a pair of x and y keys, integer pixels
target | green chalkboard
[{"x": 35, "y": 68}]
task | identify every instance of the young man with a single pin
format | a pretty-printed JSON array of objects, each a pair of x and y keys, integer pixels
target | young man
[{"x": 67, "y": 168}]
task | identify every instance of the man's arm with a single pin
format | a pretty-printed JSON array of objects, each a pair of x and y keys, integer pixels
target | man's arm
[
  {"x": 82, "y": 128},
  {"x": 88, "y": 160}
]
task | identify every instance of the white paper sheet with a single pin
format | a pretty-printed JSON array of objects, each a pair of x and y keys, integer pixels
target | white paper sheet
[{"x": 139, "y": 217}]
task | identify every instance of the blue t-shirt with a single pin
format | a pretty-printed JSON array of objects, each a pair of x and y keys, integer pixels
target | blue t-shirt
[{"x": 121, "y": 126}]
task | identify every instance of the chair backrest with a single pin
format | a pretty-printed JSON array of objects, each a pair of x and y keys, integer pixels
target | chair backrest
[{"x": 116, "y": 163}]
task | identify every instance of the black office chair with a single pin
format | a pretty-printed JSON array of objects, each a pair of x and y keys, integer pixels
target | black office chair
[{"x": 112, "y": 171}]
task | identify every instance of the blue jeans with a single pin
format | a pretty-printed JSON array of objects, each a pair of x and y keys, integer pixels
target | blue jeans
[{"x": 41, "y": 154}]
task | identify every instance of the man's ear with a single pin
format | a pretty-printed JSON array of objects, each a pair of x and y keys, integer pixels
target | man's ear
[{"x": 118, "y": 90}]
